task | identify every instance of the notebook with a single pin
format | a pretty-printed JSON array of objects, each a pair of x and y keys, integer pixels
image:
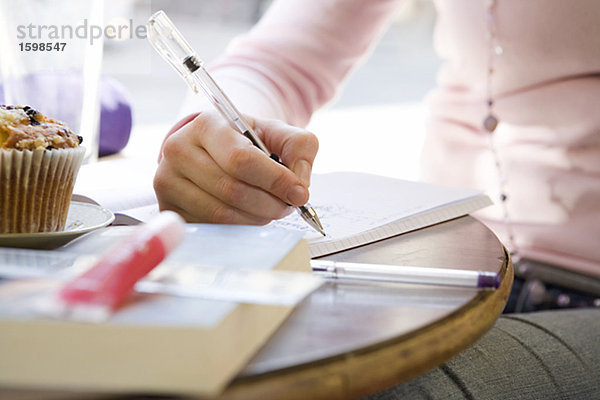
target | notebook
[
  {"x": 357, "y": 209},
  {"x": 354, "y": 208}
]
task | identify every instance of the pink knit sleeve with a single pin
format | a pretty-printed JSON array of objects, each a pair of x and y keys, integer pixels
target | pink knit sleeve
[{"x": 295, "y": 59}]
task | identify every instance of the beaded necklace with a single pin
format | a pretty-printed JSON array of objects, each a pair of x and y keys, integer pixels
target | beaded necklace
[{"x": 490, "y": 122}]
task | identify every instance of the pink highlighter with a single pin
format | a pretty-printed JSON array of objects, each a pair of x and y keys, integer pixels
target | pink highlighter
[{"x": 96, "y": 293}]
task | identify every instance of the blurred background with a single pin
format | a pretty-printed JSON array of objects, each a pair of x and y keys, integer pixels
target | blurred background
[
  {"x": 379, "y": 111},
  {"x": 401, "y": 69},
  {"x": 375, "y": 125}
]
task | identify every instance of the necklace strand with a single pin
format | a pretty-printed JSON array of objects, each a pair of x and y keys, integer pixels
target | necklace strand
[{"x": 490, "y": 122}]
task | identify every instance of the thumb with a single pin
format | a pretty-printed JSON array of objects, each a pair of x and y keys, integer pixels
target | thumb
[
  {"x": 298, "y": 153},
  {"x": 303, "y": 170}
]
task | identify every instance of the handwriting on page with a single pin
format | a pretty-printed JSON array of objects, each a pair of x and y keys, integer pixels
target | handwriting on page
[
  {"x": 338, "y": 221},
  {"x": 356, "y": 209}
]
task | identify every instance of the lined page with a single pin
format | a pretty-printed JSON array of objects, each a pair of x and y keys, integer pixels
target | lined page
[{"x": 357, "y": 209}]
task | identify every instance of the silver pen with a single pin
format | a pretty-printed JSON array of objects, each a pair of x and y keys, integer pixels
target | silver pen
[
  {"x": 170, "y": 44},
  {"x": 405, "y": 274}
]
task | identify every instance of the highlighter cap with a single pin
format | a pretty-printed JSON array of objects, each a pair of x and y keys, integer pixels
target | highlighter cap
[{"x": 169, "y": 227}]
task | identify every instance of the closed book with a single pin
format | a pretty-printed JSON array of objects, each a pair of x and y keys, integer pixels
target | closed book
[{"x": 155, "y": 343}]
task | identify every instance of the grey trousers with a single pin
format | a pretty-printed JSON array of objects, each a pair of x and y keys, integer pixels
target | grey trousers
[{"x": 541, "y": 355}]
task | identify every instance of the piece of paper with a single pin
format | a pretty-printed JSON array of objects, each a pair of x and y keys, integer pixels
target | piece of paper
[{"x": 203, "y": 267}]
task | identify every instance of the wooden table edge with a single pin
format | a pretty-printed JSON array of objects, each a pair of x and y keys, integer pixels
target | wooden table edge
[{"x": 389, "y": 363}]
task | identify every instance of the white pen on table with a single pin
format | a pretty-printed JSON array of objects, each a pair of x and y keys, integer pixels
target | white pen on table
[
  {"x": 171, "y": 45},
  {"x": 405, "y": 274}
]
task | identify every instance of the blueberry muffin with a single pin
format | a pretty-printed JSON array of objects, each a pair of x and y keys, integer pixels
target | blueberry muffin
[{"x": 39, "y": 161}]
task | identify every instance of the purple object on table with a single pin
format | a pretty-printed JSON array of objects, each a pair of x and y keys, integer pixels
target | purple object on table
[{"x": 116, "y": 117}]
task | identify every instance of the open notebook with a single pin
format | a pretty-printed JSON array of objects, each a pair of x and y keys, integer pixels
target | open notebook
[{"x": 355, "y": 208}]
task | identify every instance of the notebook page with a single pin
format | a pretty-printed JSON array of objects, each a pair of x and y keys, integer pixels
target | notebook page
[{"x": 357, "y": 209}]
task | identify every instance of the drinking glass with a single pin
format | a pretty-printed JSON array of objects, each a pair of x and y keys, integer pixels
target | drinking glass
[{"x": 50, "y": 59}]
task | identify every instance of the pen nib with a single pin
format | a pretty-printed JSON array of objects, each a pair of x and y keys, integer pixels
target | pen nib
[{"x": 310, "y": 216}]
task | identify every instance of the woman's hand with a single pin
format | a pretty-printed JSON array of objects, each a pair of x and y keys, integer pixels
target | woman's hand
[{"x": 209, "y": 172}]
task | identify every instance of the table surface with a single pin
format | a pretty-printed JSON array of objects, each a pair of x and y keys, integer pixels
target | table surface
[{"x": 348, "y": 340}]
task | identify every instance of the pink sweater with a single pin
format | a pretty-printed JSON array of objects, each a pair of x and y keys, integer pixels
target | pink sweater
[{"x": 547, "y": 85}]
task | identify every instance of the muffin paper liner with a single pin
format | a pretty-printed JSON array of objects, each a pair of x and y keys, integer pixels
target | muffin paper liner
[{"x": 36, "y": 188}]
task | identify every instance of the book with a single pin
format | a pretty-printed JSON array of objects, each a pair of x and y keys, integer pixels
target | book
[
  {"x": 354, "y": 208},
  {"x": 156, "y": 343}
]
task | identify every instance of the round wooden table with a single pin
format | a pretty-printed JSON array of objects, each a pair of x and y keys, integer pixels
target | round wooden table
[{"x": 349, "y": 340}]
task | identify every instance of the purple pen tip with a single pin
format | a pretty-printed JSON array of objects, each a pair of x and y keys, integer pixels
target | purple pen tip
[{"x": 491, "y": 281}]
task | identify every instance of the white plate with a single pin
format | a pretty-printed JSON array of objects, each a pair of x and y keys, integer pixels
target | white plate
[{"x": 82, "y": 218}]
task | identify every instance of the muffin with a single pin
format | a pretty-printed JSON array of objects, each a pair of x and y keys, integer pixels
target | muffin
[{"x": 39, "y": 161}]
